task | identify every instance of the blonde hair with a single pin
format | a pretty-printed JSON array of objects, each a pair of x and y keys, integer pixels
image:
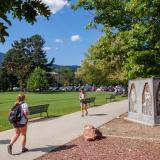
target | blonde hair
[{"x": 20, "y": 98}]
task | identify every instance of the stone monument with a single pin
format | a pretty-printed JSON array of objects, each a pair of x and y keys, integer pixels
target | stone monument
[{"x": 144, "y": 100}]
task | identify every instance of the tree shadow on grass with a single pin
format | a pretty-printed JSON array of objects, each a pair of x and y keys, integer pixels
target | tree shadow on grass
[{"x": 50, "y": 92}]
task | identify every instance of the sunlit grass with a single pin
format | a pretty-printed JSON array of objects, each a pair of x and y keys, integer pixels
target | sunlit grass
[{"x": 60, "y": 103}]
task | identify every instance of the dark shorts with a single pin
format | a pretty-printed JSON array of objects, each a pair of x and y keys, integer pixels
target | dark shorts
[
  {"x": 83, "y": 101},
  {"x": 17, "y": 125}
]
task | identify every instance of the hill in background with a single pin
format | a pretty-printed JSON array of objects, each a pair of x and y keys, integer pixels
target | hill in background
[
  {"x": 55, "y": 66},
  {"x": 71, "y": 67}
]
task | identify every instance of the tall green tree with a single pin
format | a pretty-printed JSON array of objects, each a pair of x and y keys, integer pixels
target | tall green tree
[
  {"x": 37, "y": 80},
  {"x": 103, "y": 62},
  {"x": 24, "y": 56},
  {"x": 7, "y": 81},
  {"x": 20, "y": 9},
  {"x": 136, "y": 25},
  {"x": 4, "y": 84},
  {"x": 68, "y": 76}
]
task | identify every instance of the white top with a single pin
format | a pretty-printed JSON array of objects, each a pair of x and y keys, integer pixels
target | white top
[
  {"x": 24, "y": 108},
  {"x": 82, "y": 96}
]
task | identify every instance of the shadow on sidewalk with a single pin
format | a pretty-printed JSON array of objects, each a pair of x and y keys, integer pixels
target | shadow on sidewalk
[
  {"x": 39, "y": 119},
  {"x": 50, "y": 148},
  {"x": 97, "y": 114},
  {"x": 43, "y": 149},
  {"x": 6, "y": 141},
  {"x": 64, "y": 147},
  {"x": 47, "y": 149}
]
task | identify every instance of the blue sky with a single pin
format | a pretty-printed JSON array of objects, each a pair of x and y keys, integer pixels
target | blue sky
[{"x": 66, "y": 37}]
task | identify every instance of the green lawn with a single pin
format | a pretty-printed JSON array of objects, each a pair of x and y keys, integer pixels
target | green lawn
[{"x": 61, "y": 103}]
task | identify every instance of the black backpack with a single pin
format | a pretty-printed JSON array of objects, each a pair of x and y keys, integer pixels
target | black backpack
[{"x": 15, "y": 114}]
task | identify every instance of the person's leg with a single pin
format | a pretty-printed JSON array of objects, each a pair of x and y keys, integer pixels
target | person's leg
[
  {"x": 13, "y": 140},
  {"x": 23, "y": 131},
  {"x": 85, "y": 107},
  {"x": 82, "y": 109},
  {"x": 15, "y": 137}
]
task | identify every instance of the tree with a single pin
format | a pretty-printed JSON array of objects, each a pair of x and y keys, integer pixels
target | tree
[
  {"x": 7, "y": 81},
  {"x": 103, "y": 62},
  {"x": 24, "y": 56},
  {"x": 20, "y": 9},
  {"x": 3, "y": 79},
  {"x": 37, "y": 80},
  {"x": 68, "y": 76},
  {"x": 135, "y": 26}
]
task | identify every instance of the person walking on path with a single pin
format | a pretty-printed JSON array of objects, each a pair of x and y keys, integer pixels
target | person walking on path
[
  {"x": 20, "y": 127},
  {"x": 83, "y": 103}
]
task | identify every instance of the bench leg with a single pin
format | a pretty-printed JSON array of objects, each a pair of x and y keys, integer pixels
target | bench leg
[{"x": 47, "y": 114}]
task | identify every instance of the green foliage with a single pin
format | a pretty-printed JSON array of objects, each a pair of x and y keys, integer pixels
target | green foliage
[
  {"x": 20, "y": 9},
  {"x": 131, "y": 45},
  {"x": 103, "y": 62},
  {"x": 60, "y": 103},
  {"x": 24, "y": 56},
  {"x": 68, "y": 76},
  {"x": 37, "y": 80}
]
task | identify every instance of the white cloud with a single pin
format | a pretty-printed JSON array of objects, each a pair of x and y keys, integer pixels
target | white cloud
[
  {"x": 56, "y": 5},
  {"x": 46, "y": 48},
  {"x": 58, "y": 40},
  {"x": 75, "y": 38},
  {"x": 56, "y": 48}
]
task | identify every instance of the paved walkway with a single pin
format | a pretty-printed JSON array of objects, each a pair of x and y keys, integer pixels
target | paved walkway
[{"x": 46, "y": 135}]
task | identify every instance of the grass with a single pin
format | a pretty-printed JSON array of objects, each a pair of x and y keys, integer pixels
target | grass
[{"x": 61, "y": 103}]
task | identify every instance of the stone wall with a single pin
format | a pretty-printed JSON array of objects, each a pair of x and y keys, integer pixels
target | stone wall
[{"x": 144, "y": 100}]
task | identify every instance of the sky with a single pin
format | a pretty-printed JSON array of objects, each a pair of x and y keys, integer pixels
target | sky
[{"x": 66, "y": 37}]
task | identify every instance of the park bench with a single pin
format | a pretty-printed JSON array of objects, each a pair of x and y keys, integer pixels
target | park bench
[
  {"x": 39, "y": 109},
  {"x": 111, "y": 98},
  {"x": 91, "y": 100}
]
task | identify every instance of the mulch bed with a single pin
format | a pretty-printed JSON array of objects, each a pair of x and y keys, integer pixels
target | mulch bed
[{"x": 124, "y": 141}]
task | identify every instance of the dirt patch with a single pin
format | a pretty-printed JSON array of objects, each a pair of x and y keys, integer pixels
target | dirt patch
[
  {"x": 124, "y": 140},
  {"x": 123, "y": 128}
]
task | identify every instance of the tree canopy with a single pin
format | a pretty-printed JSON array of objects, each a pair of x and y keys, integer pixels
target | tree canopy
[
  {"x": 131, "y": 37},
  {"x": 24, "y": 56},
  {"x": 20, "y": 9},
  {"x": 37, "y": 80}
]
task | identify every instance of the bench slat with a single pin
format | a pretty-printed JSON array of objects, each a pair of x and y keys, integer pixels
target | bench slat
[{"x": 38, "y": 109}]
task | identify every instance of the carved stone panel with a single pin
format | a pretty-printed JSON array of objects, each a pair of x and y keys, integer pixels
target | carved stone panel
[
  {"x": 158, "y": 100},
  {"x": 147, "y": 100},
  {"x": 133, "y": 99}
]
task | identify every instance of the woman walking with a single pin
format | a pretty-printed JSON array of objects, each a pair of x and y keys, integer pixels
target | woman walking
[
  {"x": 20, "y": 127},
  {"x": 83, "y": 103}
]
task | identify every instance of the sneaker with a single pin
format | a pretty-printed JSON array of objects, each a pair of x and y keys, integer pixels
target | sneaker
[
  {"x": 9, "y": 148},
  {"x": 24, "y": 150},
  {"x": 82, "y": 115},
  {"x": 86, "y": 113}
]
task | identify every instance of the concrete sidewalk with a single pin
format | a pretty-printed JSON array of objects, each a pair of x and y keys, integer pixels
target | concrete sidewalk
[{"x": 44, "y": 136}]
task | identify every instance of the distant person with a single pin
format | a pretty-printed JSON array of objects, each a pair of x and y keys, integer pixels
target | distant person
[
  {"x": 83, "y": 103},
  {"x": 116, "y": 90},
  {"x": 20, "y": 127}
]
